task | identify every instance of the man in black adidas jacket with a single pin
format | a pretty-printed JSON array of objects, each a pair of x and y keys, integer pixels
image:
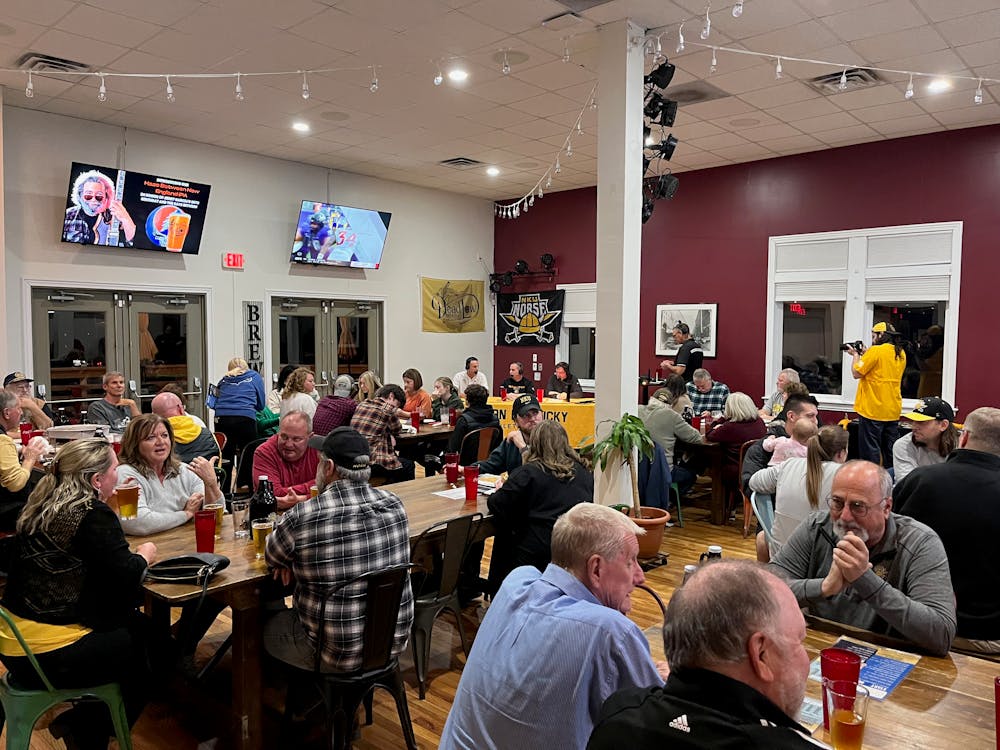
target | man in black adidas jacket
[{"x": 733, "y": 637}]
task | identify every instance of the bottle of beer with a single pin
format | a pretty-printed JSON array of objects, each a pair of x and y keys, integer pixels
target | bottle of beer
[{"x": 263, "y": 504}]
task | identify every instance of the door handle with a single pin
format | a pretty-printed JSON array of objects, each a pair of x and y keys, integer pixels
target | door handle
[
  {"x": 40, "y": 387},
  {"x": 197, "y": 382},
  {"x": 131, "y": 386}
]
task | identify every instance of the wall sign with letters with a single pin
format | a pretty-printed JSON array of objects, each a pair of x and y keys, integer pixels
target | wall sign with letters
[{"x": 253, "y": 332}]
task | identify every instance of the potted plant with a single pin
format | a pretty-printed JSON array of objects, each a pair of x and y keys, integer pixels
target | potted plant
[{"x": 621, "y": 447}]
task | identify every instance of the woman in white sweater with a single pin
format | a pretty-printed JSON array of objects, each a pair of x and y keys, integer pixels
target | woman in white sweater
[
  {"x": 800, "y": 485},
  {"x": 298, "y": 393}
]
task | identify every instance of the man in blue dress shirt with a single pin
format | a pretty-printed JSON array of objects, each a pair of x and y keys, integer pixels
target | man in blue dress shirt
[{"x": 554, "y": 645}]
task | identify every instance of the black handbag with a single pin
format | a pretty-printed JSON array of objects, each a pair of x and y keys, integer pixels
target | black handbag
[{"x": 197, "y": 568}]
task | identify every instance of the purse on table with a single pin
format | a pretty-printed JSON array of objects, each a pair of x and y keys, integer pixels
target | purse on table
[{"x": 197, "y": 568}]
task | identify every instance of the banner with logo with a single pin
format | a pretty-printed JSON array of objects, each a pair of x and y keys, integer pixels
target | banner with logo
[
  {"x": 531, "y": 319},
  {"x": 450, "y": 306}
]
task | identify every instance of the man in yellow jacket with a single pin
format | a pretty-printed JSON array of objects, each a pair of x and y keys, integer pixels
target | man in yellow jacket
[{"x": 878, "y": 401}]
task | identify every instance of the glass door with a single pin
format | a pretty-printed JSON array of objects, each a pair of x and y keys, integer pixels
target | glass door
[
  {"x": 296, "y": 333},
  {"x": 357, "y": 338}
]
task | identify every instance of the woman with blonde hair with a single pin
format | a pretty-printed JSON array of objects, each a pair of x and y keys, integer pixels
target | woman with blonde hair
[
  {"x": 240, "y": 394},
  {"x": 73, "y": 589},
  {"x": 551, "y": 480},
  {"x": 740, "y": 423},
  {"x": 368, "y": 383},
  {"x": 297, "y": 395},
  {"x": 445, "y": 397}
]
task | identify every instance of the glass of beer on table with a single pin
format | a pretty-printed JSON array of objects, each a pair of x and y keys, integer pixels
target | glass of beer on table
[
  {"x": 127, "y": 497},
  {"x": 847, "y": 705},
  {"x": 261, "y": 530},
  {"x": 220, "y": 510}
]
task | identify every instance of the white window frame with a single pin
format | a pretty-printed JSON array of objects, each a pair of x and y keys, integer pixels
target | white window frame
[
  {"x": 579, "y": 311},
  {"x": 826, "y": 273}
]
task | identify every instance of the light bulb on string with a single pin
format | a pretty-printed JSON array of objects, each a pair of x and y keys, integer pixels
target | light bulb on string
[
  {"x": 548, "y": 182},
  {"x": 526, "y": 206},
  {"x": 579, "y": 127},
  {"x": 680, "y": 38},
  {"x": 706, "y": 29},
  {"x": 531, "y": 200},
  {"x": 738, "y": 9},
  {"x": 658, "y": 55},
  {"x": 558, "y": 168},
  {"x": 715, "y": 63},
  {"x": 29, "y": 90},
  {"x": 978, "y": 98},
  {"x": 439, "y": 78},
  {"x": 777, "y": 70},
  {"x": 102, "y": 92},
  {"x": 541, "y": 193},
  {"x": 170, "y": 92},
  {"x": 505, "y": 68},
  {"x": 569, "y": 149},
  {"x": 239, "y": 87},
  {"x": 909, "y": 88},
  {"x": 842, "y": 86},
  {"x": 593, "y": 102},
  {"x": 305, "y": 86},
  {"x": 565, "y": 57},
  {"x": 374, "y": 84}
]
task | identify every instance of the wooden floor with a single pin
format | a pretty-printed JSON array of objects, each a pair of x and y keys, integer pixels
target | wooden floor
[{"x": 190, "y": 718}]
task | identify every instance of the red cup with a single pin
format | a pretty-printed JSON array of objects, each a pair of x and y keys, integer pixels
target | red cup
[
  {"x": 451, "y": 458},
  {"x": 837, "y": 664},
  {"x": 452, "y": 416},
  {"x": 451, "y": 473},
  {"x": 36, "y": 433},
  {"x": 540, "y": 393},
  {"x": 696, "y": 422},
  {"x": 503, "y": 393},
  {"x": 471, "y": 483},
  {"x": 116, "y": 447},
  {"x": 415, "y": 419},
  {"x": 26, "y": 428},
  {"x": 204, "y": 530}
]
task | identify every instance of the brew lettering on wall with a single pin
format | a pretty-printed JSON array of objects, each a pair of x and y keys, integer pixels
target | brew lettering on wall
[
  {"x": 531, "y": 319},
  {"x": 253, "y": 331}
]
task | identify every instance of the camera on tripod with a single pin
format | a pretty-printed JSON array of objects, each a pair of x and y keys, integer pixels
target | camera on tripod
[{"x": 859, "y": 346}]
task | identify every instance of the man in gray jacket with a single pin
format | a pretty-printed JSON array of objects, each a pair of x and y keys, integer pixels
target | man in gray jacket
[{"x": 877, "y": 570}]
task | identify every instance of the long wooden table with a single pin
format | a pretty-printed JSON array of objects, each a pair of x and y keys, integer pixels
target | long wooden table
[{"x": 238, "y": 587}]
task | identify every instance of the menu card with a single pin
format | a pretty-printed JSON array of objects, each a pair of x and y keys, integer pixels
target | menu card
[{"x": 882, "y": 668}]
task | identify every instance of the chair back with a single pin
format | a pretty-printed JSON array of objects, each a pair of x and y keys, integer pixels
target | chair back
[
  {"x": 457, "y": 540},
  {"x": 763, "y": 508},
  {"x": 244, "y": 471},
  {"x": 27, "y": 651},
  {"x": 220, "y": 438},
  {"x": 478, "y": 444},
  {"x": 383, "y": 595},
  {"x": 743, "y": 452}
]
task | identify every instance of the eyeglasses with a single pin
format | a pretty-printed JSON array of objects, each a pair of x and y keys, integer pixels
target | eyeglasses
[
  {"x": 93, "y": 196},
  {"x": 858, "y": 508}
]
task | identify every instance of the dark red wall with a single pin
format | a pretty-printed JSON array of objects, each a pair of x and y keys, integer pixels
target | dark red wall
[{"x": 709, "y": 244}]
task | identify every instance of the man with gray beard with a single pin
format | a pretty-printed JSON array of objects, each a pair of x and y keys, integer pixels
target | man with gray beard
[{"x": 860, "y": 564}]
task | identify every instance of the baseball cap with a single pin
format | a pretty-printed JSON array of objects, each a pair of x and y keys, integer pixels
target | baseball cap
[
  {"x": 524, "y": 403},
  {"x": 344, "y": 446},
  {"x": 883, "y": 328},
  {"x": 16, "y": 377},
  {"x": 930, "y": 408},
  {"x": 342, "y": 385}
]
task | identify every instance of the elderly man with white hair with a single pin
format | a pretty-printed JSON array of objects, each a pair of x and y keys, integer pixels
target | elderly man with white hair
[{"x": 774, "y": 402}]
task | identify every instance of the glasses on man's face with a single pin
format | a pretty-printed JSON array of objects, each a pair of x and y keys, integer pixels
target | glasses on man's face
[
  {"x": 858, "y": 509},
  {"x": 93, "y": 196}
]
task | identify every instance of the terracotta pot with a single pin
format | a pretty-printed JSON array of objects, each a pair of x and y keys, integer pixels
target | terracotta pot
[{"x": 653, "y": 520}]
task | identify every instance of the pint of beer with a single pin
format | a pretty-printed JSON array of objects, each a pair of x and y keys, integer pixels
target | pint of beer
[
  {"x": 261, "y": 530},
  {"x": 128, "y": 501},
  {"x": 220, "y": 510},
  {"x": 177, "y": 229}
]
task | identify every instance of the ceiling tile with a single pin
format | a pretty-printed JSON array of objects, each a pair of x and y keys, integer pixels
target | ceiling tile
[
  {"x": 718, "y": 141},
  {"x": 983, "y": 114},
  {"x": 826, "y": 122},
  {"x": 941, "y": 11},
  {"x": 513, "y": 16},
  {"x": 818, "y": 107},
  {"x": 892, "y": 111},
  {"x": 797, "y": 143},
  {"x": 45, "y": 12},
  {"x": 797, "y": 40},
  {"x": 880, "y": 18},
  {"x": 784, "y": 92},
  {"x": 769, "y": 132},
  {"x": 852, "y": 134},
  {"x": 88, "y": 51},
  {"x": 906, "y": 126},
  {"x": 906, "y": 43}
]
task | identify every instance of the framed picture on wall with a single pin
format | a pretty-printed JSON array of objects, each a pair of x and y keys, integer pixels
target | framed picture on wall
[{"x": 701, "y": 318}]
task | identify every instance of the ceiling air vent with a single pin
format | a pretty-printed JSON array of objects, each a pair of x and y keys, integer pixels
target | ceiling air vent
[
  {"x": 40, "y": 63},
  {"x": 461, "y": 162},
  {"x": 857, "y": 78}
]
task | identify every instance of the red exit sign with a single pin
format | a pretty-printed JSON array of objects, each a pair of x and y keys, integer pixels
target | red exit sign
[
  {"x": 796, "y": 308},
  {"x": 233, "y": 260}
]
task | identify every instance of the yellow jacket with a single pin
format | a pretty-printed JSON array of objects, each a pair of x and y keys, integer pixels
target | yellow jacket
[{"x": 879, "y": 396}]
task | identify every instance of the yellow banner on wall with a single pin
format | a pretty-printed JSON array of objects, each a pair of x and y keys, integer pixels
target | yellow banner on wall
[{"x": 452, "y": 306}]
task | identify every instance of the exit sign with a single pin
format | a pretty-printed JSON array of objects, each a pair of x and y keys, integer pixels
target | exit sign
[
  {"x": 233, "y": 260},
  {"x": 796, "y": 308}
]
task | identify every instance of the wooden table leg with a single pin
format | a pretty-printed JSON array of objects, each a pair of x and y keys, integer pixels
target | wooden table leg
[
  {"x": 718, "y": 504},
  {"x": 247, "y": 730}
]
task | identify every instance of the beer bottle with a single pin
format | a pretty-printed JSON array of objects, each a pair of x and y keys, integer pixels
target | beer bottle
[{"x": 263, "y": 504}]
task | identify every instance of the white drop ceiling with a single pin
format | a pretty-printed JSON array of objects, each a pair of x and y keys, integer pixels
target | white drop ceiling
[{"x": 516, "y": 122}]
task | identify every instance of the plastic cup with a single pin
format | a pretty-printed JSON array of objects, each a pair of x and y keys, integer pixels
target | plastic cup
[
  {"x": 415, "y": 419},
  {"x": 204, "y": 530},
  {"x": 847, "y": 704},
  {"x": 26, "y": 428},
  {"x": 837, "y": 664},
  {"x": 128, "y": 501},
  {"x": 471, "y": 484},
  {"x": 451, "y": 473},
  {"x": 540, "y": 394},
  {"x": 503, "y": 393},
  {"x": 241, "y": 518},
  {"x": 452, "y": 416},
  {"x": 220, "y": 511},
  {"x": 261, "y": 530},
  {"x": 451, "y": 458}
]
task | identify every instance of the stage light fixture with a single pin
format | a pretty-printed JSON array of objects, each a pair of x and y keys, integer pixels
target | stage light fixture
[
  {"x": 660, "y": 111},
  {"x": 648, "y": 204},
  {"x": 661, "y": 75},
  {"x": 665, "y": 186},
  {"x": 665, "y": 149},
  {"x": 495, "y": 286},
  {"x": 547, "y": 261},
  {"x": 521, "y": 266},
  {"x": 507, "y": 279}
]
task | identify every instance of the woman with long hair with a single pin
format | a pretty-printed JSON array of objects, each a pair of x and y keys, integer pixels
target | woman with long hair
[
  {"x": 240, "y": 395},
  {"x": 274, "y": 395},
  {"x": 445, "y": 397},
  {"x": 551, "y": 480},
  {"x": 297, "y": 394},
  {"x": 801, "y": 485},
  {"x": 673, "y": 393},
  {"x": 73, "y": 590},
  {"x": 368, "y": 384}
]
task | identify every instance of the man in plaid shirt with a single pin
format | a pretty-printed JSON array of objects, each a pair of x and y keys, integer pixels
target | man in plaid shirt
[
  {"x": 349, "y": 529},
  {"x": 376, "y": 420},
  {"x": 706, "y": 395}
]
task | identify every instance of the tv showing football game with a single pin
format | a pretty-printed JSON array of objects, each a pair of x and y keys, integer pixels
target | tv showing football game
[
  {"x": 116, "y": 208},
  {"x": 333, "y": 235}
]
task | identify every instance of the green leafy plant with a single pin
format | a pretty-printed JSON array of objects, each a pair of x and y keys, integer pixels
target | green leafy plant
[{"x": 627, "y": 435}]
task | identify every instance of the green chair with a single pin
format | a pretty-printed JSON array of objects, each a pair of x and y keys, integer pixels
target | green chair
[
  {"x": 24, "y": 707},
  {"x": 676, "y": 490}
]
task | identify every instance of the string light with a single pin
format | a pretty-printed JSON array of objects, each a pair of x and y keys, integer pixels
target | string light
[
  {"x": 715, "y": 63},
  {"x": 505, "y": 68},
  {"x": 29, "y": 90},
  {"x": 593, "y": 102},
  {"x": 239, "y": 87},
  {"x": 439, "y": 78},
  {"x": 569, "y": 149},
  {"x": 843, "y": 81},
  {"x": 680, "y": 38},
  {"x": 541, "y": 193},
  {"x": 707, "y": 28},
  {"x": 909, "y": 88},
  {"x": 978, "y": 98},
  {"x": 738, "y": 9},
  {"x": 565, "y": 57},
  {"x": 374, "y": 85},
  {"x": 777, "y": 70},
  {"x": 548, "y": 182},
  {"x": 658, "y": 56},
  {"x": 579, "y": 127},
  {"x": 558, "y": 166},
  {"x": 102, "y": 92},
  {"x": 170, "y": 92},
  {"x": 305, "y": 86}
]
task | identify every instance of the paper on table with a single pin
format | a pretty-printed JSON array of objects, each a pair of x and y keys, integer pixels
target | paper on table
[
  {"x": 456, "y": 494},
  {"x": 882, "y": 668},
  {"x": 811, "y": 714}
]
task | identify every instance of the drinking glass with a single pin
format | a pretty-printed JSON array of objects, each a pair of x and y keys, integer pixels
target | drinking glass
[
  {"x": 241, "y": 517},
  {"x": 261, "y": 530},
  {"x": 847, "y": 704},
  {"x": 128, "y": 501},
  {"x": 220, "y": 511},
  {"x": 837, "y": 664},
  {"x": 471, "y": 484}
]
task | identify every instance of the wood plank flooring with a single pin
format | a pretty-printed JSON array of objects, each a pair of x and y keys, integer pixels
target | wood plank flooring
[{"x": 193, "y": 716}]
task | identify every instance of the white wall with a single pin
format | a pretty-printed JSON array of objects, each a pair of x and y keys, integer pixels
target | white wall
[{"x": 253, "y": 209}]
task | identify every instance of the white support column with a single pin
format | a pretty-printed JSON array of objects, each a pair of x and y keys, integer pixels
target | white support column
[
  {"x": 5, "y": 361},
  {"x": 619, "y": 224}
]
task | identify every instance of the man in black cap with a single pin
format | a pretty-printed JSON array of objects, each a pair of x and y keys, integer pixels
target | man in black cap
[
  {"x": 933, "y": 436},
  {"x": 508, "y": 455},
  {"x": 349, "y": 529},
  {"x": 35, "y": 409}
]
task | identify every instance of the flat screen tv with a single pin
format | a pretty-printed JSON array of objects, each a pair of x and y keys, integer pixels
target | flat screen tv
[
  {"x": 331, "y": 235},
  {"x": 115, "y": 208}
]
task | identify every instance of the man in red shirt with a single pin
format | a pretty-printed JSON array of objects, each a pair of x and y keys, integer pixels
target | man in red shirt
[{"x": 287, "y": 460}]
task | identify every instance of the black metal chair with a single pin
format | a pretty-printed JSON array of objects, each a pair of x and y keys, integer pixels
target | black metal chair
[
  {"x": 477, "y": 445},
  {"x": 344, "y": 692},
  {"x": 443, "y": 576},
  {"x": 244, "y": 469}
]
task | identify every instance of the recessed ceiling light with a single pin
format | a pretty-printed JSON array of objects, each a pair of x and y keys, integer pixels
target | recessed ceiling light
[
  {"x": 492, "y": 171},
  {"x": 457, "y": 75},
  {"x": 300, "y": 127},
  {"x": 938, "y": 85}
]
